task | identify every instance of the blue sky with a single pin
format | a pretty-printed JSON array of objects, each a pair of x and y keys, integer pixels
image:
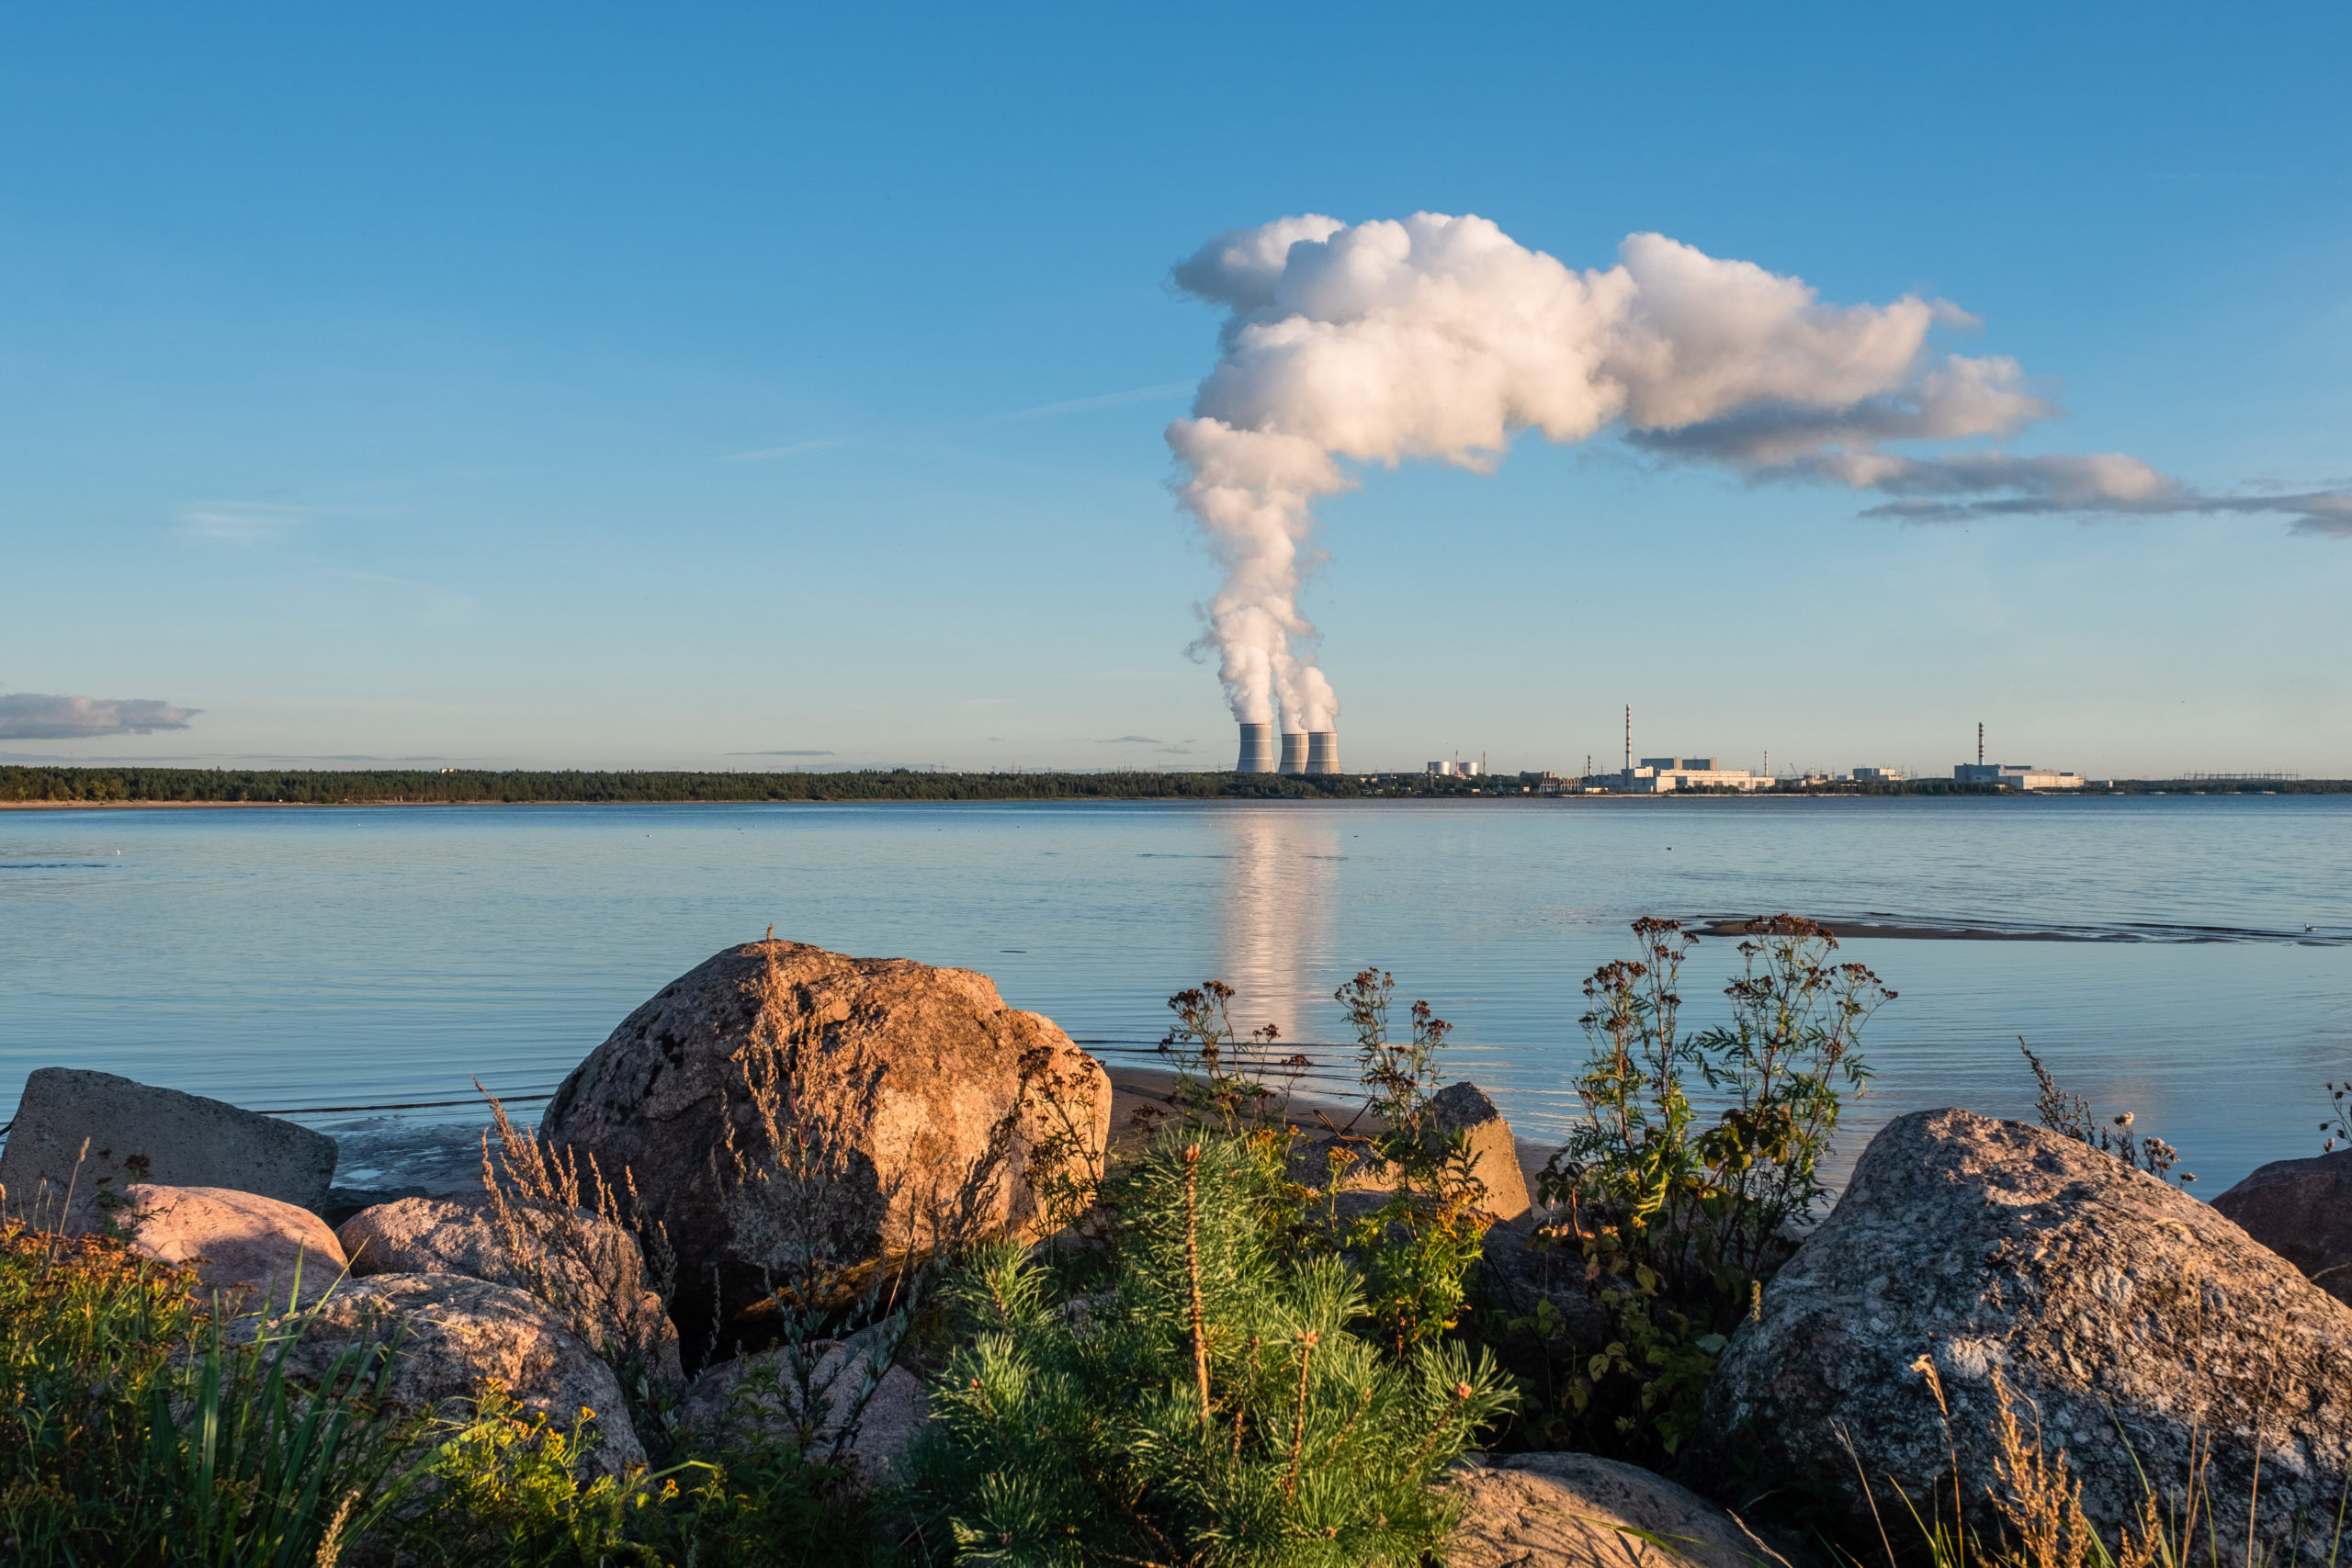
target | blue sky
[{"x": 782, "y": 387}]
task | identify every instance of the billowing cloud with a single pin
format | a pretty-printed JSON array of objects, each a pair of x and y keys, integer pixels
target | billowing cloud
[
  {"x": 1441, "y": 338},
  {"x": 31, "y": 716}
]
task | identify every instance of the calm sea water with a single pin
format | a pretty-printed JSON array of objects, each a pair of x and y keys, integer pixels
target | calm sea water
[{"x": 322, "y": 958}]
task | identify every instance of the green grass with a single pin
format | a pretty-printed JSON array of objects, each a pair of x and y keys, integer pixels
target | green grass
[{"x": 138, "y": 1429}]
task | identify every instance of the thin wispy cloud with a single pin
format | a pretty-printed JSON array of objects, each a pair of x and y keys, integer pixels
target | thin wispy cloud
[
  {"x": 36, "y": 715},
  {"x": 1107, "y": 400},
  {"x": 779, "y": 753},
  {"x": 796, "y": 449},
  {"x": 433, "y": 601},
  {"x": 240, "y": 522},
  {"x": 1130, "y": 740}
]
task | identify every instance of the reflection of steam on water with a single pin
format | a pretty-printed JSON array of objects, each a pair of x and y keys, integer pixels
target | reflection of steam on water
[{"x": 1278, "y": 923}]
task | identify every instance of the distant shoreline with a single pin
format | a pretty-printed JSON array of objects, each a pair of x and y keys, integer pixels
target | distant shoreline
[{"x": 61, "y": 789}]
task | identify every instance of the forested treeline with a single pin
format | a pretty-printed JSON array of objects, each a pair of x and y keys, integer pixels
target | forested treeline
[
  {"x": 396, "y": 786},
  {"x": 428, "y": 786}
]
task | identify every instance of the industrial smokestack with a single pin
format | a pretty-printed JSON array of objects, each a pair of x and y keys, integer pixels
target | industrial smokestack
[
  {"x": 1323, "y": 751},
  {"x": 1256, "y": 750},
  {"x": 1294, "y": 751}
]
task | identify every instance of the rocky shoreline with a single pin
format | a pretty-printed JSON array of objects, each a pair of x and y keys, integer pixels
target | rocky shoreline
[{"x": 1974, "y": 1268}]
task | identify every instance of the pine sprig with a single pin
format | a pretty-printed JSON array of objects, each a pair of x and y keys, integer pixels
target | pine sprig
[{"x": 1074, "y": 1432}]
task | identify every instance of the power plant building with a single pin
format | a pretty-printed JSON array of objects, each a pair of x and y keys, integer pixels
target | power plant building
[
  {"x": 1666, "y": 775},
  {"x": 2015, "y": 775},
  {"x": 1303, "y": 752}
]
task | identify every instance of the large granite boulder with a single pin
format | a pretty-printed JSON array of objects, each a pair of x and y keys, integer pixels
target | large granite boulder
[
  {"x": 253, "y": 1249},
  {"x": 2104, "y": 1299},
  {"x": 1581, "y": 1511},
  {"x": 138, "y": 1132},
  {"x": 451, "y": 1336},
  {"x": 918, "y": 1072},
  {"x": 2301, "y": 1210}
]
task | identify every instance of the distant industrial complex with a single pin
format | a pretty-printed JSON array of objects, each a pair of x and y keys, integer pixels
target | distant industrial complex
[{"x": 1316, "y": 753}]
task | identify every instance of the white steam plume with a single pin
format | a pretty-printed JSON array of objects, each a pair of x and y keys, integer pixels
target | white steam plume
[{"x": 1441, "y": 337}]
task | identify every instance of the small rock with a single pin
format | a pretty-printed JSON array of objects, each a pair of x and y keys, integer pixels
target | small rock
[
  {"x": 1520, "y": 1270},
  {"x": 138, "y": 1132},
  {"x": 452, "y": 1335},
  {"x": 1580, "y": 1511},
  {"x": 240, "y": 1243},
  {"x": 1458, "y": 1108},
  {"x": 455, "y": 1236},
  {"x": 746, "y": 1399},
  {"x": 426, "y": 1235},
  {"x": 1494, "y": 1153},
  {"x": 2301, "y": 1210}
]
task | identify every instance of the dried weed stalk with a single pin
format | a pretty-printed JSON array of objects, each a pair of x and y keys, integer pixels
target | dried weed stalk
[
  {"x": 583, "y": 1246},
  {"x": 2069, "y": 1115},
  {"x": 1066, "y": 1164}
]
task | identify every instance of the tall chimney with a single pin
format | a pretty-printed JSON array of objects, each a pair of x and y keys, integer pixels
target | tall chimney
[
  {"x": 1256, "y": 750},
  {"x": 1294, "y": 751},
  {"x": 1323, "y": 751}
]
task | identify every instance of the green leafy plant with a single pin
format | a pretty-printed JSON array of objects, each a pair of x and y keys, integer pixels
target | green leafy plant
[
  {"x": 1221, "y": 1076},
  {"x": 514, "y": 1487},
  {"x": 1212, "y": 1403},
  {"x": 1418, "y": 1248},
  {"x": 1700, "y": 1153}
]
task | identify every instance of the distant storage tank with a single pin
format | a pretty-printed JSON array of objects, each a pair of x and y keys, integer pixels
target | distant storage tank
[
  {"x": 1294, "y": 751},
  {"x": 1323, "y": 751},
  {"x": 1256, "y": 750}
]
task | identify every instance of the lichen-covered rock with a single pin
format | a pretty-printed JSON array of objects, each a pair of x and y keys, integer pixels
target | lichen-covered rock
[
  {"x": 2102, "y": 1296},
  {"x": 451, "y": 1335},
  {"x": 2301, "y": 1210},
  {"x": 920, "y": 1071},
  {"x": 252, "y": 1248},
  {"x": 451, "y": 1236},
  {"x": 1581, "y": 1511},
  {"x": 455, "y": 1236},
  {"x": 754, "y": 1397},
  {"x": 83, "y": 1134},
  {"x": 423, "y": 1236}
]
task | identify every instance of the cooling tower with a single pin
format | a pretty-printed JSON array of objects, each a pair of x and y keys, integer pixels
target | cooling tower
[
  {"x": 1256, "y": 750},
  {"x": 1323, "y": 751},
  {"x": 1294, "y": 751}
]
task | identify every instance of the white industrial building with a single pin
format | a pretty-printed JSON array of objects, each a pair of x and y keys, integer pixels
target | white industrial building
[
  {"x": 1665, "y": 775},
  {"x": 2015, "y": 775}
]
